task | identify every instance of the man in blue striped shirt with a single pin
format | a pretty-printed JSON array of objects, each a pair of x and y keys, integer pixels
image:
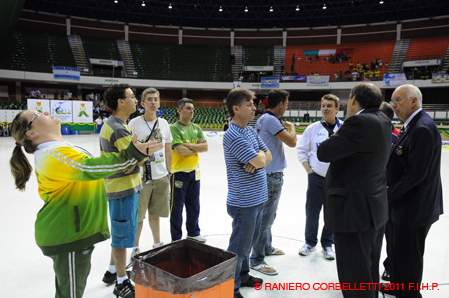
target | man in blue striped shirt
[{"x": 246, "y": 156}]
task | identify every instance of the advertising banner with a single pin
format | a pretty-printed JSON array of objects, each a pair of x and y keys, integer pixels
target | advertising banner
[
  {"x": 293, "y": 78},
  {"x": 40, "y": 105},
  {"x": 61, "y": 109},
  {"x": 8, "y": 115},
  {"x": 421, "y": 63},
  {"x": 318, "y": 80},
  {"x": 65, "y": 72},
  {"x": 269, "y": 82},
  {"x": 82, "y": 111},
  {"x": 440, "y": 78},
  {"x": 394, "y": 79},
  {"x": 258, "y": 68}
]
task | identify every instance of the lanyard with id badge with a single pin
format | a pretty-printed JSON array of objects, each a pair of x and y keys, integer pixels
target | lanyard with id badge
[{"x": 158, "y": 155}]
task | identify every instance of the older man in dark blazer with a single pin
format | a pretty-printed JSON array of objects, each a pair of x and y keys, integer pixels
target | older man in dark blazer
[
  {"x": 355, "y": 204},
  {"x": 414, "y": 188}
]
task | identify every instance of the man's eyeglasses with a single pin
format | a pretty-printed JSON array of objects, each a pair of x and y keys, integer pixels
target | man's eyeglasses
[
  {"x": 36, "y": 114},
  {"x": 397, "y": 101}
]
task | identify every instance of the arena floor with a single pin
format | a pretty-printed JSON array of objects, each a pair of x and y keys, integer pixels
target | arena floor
[{"x": 27, "y": 273}]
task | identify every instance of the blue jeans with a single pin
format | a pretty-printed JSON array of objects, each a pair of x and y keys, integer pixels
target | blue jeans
[
  {"x": 314, "y": 203},
  {"x": 245, "y": 231},
  {"x": 263, "y": 246}
]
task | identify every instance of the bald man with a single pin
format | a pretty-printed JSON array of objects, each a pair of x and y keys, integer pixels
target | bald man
[{"x": 414, "y": 188}]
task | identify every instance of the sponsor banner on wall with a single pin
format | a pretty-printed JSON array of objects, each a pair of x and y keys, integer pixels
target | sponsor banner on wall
[
  {"x": 61, "y": 109},
  {"x": 440, "y": 78},
  {"x": 40, "y": 105},
  {"x": 82, "y": 111},
  {"x": 318, "y": 80},
  {"x": 258, "y": 68},
  {"x": 8, "y": 115},
  {"x": 394, "y": 79},
  {"x": 421, "y": 63},
  {"x": 237, "y": 84},
  {"x": 293, "y": 78},
  {"x": 106, "y": 62},
  {"x": 269, "y": 82},
  {"x": 65, "y": 72}
]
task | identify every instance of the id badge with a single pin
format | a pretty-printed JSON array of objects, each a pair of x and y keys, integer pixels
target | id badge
[
  {"x": 197, "y": 174},
  {"x": 159, "y": 156}
]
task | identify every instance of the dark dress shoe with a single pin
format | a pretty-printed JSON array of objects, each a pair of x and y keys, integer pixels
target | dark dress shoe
[
  {"x": 386, "y": 275},
  {"x": 385, "y": 289},
  {"x": 251, "y": 282}
]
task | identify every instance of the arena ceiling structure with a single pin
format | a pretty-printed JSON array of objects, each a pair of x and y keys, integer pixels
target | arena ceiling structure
[{"x": 253, "y": 14}]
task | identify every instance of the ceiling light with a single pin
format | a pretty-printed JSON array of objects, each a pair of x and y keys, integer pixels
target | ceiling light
[
  {"x": 324, "y": 7},
  {"x": 169, "y": 6},
  {"x": 246, "y": 9},
  {"x": 143, "y": 3},
  {"x": 115, "y": 1},
  {"x": 220, "y": 9},
  {"x": 297, "y": 8},
  {"x": 271, "y": 9},
  {"x": 381, "y": 2}
]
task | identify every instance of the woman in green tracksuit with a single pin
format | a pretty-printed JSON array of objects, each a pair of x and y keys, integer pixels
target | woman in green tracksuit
[{"x": 74, "y": 215}]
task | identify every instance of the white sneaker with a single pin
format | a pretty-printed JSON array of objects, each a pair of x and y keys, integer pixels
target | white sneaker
[
  {"x": 156, "y": 245},
  {"x": 198, "y": 238},
  {"x": 306, "y": 250},
  {"x": 135, "y": 251},
  {"x": 328, "y": 253}
]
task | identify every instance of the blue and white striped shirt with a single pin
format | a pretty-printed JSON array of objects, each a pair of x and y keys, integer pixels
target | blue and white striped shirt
[{"x": 240, "y": 146}]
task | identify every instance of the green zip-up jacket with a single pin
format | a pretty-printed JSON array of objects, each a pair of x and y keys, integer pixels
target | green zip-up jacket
[{"x": 74, "y": 215}]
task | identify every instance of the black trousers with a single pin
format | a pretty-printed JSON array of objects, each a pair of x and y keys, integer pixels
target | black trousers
[
  {"x": 358, "y": 257},
  {"x": 407, "y": 258},
  {"x": 388, "y": 241}
]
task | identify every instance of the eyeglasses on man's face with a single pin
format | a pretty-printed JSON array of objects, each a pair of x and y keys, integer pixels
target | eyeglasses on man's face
[{"x": 397, "y": 101}]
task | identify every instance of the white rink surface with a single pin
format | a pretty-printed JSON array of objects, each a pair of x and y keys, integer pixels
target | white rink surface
[{"x": 27, "y": 273}]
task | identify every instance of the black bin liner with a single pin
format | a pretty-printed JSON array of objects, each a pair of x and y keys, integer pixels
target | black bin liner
[{"x": 183, "y": 267}]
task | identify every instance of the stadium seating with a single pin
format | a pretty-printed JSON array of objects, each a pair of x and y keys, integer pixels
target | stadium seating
[
  {"x": 362, "y": 52},
  {"x": 205, "y": 117},
  {"x": 35, "y": 51},
  {"x": 257, "y": 56},
  {"x": 427, "y": 48},
  {"x": 181, "y": 62},
  {"x": 101, "y": 48}
]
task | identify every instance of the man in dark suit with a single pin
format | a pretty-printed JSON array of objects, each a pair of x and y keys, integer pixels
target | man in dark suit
[
  {"x": 355, "y": 204},
  {"x": 386, "y": 108},
  {"x": 414, "y": 188}
]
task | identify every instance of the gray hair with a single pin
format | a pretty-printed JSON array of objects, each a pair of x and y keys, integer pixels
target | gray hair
[
  {"x": 413, "y": 91},
  {"x": 149, "y": 91}
]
